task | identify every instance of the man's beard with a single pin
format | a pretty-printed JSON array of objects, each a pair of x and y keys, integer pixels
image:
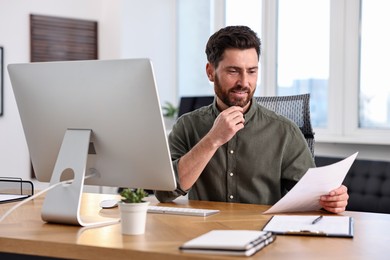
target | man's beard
[{"x": 227, "y": 99}]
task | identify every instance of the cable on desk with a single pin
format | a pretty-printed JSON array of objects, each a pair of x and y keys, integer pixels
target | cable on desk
[
  {"x": 30, "y": 198},
  {"x": 39, "y": 194}
]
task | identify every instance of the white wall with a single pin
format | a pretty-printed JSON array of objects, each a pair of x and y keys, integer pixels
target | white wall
[
  {"x": 127, "y": 28},
  {"x": 148, "y": 30},
  {"x": 14, "y": 37},
  {"x": 142, "y": 29}
]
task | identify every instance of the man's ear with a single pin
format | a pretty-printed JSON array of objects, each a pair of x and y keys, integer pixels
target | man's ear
[{"x": 210, "y": 72}]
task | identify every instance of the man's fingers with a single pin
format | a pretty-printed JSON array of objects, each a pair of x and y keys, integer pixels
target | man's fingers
[
  {"x": 340, "y": 190},
  {"x": 336, "y": 201},
  {"x": 231, "y": 117},
  {"x": 335, "y": 207}
]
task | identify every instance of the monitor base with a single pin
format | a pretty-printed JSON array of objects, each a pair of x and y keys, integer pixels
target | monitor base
[{"x": 62, "y": 203}]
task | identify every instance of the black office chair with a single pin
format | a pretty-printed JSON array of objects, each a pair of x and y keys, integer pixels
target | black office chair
[
  {"x": 296, "y": 108},
  {"x": 188, "y": 104}
]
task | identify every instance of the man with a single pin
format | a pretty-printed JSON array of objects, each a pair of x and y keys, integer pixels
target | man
[{"x": 236, "y": 150}]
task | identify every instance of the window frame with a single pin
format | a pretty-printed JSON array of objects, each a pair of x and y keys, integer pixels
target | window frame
[{"x": 343, "y": 98}]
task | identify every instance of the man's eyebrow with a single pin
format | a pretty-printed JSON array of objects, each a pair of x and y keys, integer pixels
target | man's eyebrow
[
  {"x": 233, "y": 67},
  {"x": 239, "y": 68}
]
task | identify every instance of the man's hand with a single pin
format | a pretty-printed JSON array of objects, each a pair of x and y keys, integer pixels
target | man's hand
[
  {"x": 336, "y": 200},
  {"x": 227, "y": 124}
]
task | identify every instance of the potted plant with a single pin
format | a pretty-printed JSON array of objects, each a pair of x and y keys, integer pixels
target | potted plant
[
  {"x": 133, "y": 211},
  {"x": 169, "y": 111}
]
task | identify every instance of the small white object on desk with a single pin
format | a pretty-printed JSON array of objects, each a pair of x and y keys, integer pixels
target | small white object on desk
[{"x": 108, "y": 204}]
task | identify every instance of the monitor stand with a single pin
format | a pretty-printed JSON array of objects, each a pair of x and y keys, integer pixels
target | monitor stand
[{"x": 62, "y": 203}]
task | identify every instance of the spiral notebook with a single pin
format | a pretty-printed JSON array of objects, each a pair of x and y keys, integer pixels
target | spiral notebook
[{"x": 229, "y": 242}]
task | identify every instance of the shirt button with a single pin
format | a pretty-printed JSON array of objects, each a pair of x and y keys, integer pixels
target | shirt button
[
  {"x": 231, "y": 174},
  {"x": 231, "y": 197},
  {"x": 231, "y": 151}
]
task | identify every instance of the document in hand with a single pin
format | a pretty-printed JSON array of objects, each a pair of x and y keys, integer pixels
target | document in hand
[
  {"x": 331, "y": 226},
  {"x": 229, "y": 242},
  {"x": 305, "y": 195}
]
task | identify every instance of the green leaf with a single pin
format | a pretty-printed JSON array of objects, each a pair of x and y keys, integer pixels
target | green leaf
[
  {"x": 133, "y": 196},
  {"x": 169, "y": 109}
]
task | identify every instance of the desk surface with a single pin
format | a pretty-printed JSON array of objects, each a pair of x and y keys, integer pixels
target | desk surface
[{"x": 24, "y": 232}]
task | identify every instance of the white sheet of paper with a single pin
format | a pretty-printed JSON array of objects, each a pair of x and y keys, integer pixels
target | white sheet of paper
[
  {"x": 11, "y": 197},
  {"x": 305, "y": 195}
]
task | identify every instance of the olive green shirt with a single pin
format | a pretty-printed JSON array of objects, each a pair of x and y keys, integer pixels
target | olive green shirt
[{"x": 258, "y": 165}]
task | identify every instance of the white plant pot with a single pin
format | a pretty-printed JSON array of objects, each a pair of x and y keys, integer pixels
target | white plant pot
[{"x": 133, "y": 217}]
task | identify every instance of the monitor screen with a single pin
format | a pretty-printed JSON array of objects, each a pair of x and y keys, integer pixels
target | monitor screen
[{"x": 107, "y": 111}]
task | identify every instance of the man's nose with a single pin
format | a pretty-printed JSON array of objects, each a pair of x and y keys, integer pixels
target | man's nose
[{"x": 244, "y": 80}]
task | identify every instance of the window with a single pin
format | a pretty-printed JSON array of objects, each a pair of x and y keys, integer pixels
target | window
[
  {"x": 195, "y": 19},
  {"x": 252, "y": 18},
  {"x": 335, "y": 49},
  {"x": 251, "y": 10},
  {"x": 374, "y": 106},
  {"x": 303, "y": 53}
]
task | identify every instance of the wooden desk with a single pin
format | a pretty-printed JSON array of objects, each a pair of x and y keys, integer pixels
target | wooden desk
[{"x": 23, "y": 232}]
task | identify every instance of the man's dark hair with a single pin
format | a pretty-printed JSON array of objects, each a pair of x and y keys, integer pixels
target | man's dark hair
[{"x": 231, "y": 37}]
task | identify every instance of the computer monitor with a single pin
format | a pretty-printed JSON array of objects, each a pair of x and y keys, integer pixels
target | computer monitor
[{"x": 97, "y": 118}]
